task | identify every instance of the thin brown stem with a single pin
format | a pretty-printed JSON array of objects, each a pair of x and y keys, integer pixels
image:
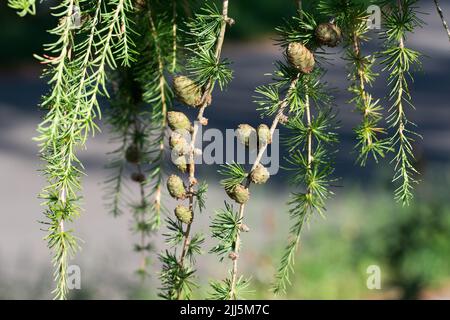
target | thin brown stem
[
  {"x": 237, "y": 243},
  {"x": 206, "y": 99},
  {"x": 308, "y": 122},
  {"x": 441, "y": 15}
]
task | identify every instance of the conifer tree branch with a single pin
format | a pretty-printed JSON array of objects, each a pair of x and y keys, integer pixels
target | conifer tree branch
[
  {"x": 163, "y": 95},
  {"x": 58, "y": 195},
  {"x": 202, "y": 37},
  {"x": 362, "y": 75},
  {"x": 75, "y": 77},
  {"x": 398, "y": 61},
  {"x": 205, "y": 101},
  {"x": 280, "y": 115}
]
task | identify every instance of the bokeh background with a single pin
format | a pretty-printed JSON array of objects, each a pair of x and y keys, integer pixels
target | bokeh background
[{"x": 364, "y": 226}]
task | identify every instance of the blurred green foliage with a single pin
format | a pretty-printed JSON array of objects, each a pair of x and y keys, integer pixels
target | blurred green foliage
[{"x": 411, "y": 245}]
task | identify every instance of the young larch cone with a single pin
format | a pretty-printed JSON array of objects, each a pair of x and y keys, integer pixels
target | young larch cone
[
  {"x": 178, "y": 121},
  {"x": 176, "y": 188},
  {"x": 238, "y": 193},
  {"x": 138, "y": 177},
  {"x": 300, "y": 57},
  {"x": 246, "y": 133},
  {"x": 181, "y": 163},
  {"x": 259, "y": 175},
  {"x": 183, "y": 214},
  {"x": 328, "y": 34},
  {"x": 132, "y": 154},
  {"x": 187, "y": 91},
  {"x": 264, "y": 136}
]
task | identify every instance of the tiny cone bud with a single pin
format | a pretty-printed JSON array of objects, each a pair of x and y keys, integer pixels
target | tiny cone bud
[
  {"x": 132, "y": 154},
  {"x": 264, "y": 136},
  {"x": 246, "y": 133},
  {"x": 259, "y": 175},
  {"x": 300, "y": 57},
  {"x": 176, "y": 188},
  {"x": 283, "y": 119},
  {"x": 239, "y": 193},
  {"x": 328, "y": 34},
  {"x": 233, "y": 255},
  {"x": 187, "y": 91},
  {"x": 193, "y": 181},
  {"x": 138, "y": 177},
  {"x": 203, "y": 121},
  {"x": 244, "y": 228},
  {"x": 181, "y": 163},
  {"x": 178, "y": 121},
  {"x": 183, "y": 214}
]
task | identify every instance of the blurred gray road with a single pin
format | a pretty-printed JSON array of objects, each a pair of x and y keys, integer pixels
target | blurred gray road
[{"x": 24, "y": 259}]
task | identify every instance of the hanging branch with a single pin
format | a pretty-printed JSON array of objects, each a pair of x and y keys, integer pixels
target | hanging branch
[
  {"x": 76, "y": 76},
  {"x": 206, "y": 100},
  {"x": 206, "y": 33},
  {"x": 301, "y": 82},
  {"x": 441, "y": 15},
  {"x": 138, "y": 117},
  {"x": 311, "y": 132},
  {"x": 351, "y": 17},
  {"x": 60, "y": 196},
  {"x": 163, "y": 95},
  {"x": 398, "y": 61},
  {"x": 361, "y": 74},
  {"x": 237, "y": 241}
]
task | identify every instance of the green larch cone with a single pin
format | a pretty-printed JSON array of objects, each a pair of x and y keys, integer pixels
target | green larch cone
[
  {"x": 259, "y": 175},
  {"x": 264, "y": 136},
  {"x": 238, "y": 193},
  {"x": 178, "y": 121},
  {"x": 183, "y": 214},
  {"x": 132, "y": 154},
  {"x": 246, "y": 133},
  {"x": 328, "y": 34},
  {"x": 181, "y": 163},
  {"x": 178, "y": 143},
  {"x": 187, "y": 91},
  {"x": 176, "y": 187},
  {"x": 138, "y": 177},
  {"x": 300, "y": 57}
]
